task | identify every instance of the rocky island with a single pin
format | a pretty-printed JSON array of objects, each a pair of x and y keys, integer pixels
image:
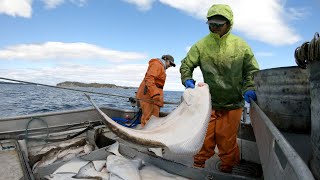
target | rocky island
[{"x": 73, "y": 84}]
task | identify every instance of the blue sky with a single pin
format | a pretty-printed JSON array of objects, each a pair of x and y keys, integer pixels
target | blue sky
[{"x": 111, "y": 41}]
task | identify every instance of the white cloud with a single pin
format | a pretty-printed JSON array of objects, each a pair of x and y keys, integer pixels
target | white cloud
[
  {"x": 79, "y": 2},
  {"x": 50, "y": 4},
  {"x": 143, "y": 5},
  {"x": 16, "y": 8},
  {"x": 265, "y": 21},
  {"x": 298, "y": 13},
  {"x": 65, "y": 51},
  {"x": 196, "y": 8},
  {"x": 23, "y": 8}
]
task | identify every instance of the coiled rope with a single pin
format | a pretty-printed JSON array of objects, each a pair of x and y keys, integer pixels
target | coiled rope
[{"x": 308, "y": 52}]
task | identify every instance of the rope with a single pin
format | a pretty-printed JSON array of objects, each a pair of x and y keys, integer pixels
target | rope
[
  {"x": 84, "y": 91},
  {"x": 301, "y": 55},
  {"x": 308, "y": 52},
  {"x": 44, "y": 122},
  {"x": 135, "y": 119}
]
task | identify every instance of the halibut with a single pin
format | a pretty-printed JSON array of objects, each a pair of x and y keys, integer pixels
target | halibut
[{"x": 182, "y": 131}]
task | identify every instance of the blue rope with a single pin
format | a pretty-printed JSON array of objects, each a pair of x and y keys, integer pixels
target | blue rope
[{"x": 124, "y": 122}]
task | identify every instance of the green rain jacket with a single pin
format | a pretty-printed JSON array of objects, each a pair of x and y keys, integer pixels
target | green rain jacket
[{"x": 227, "y": 64}]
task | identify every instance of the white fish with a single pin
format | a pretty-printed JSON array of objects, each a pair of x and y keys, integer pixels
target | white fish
[
  {"x": 114, "y": 177},
  {"x": 71, "y": 150},
  {"x": 46, "y": 160},
  {"x": 104, "y": 170},
  {"x": 62, "y": 145},
  {"x": 114, "y": 148},
  {"x": 88, "y": 171},
  {"x": 63, "y": 176},
  {"x": 47, "y": 148},
  {"x": 172, "y": 131},
  {"x": 88, "y": 148},
  {"x": 99, "y": 164},
  {"x": 68, "y": 157},
  {"x": 72, "y": 166},
  {"x": 58, "y": 154},
  {"x": 155, "y": 173},
  {"x": 123, "y": 168},
  {"x": 41, "y": 150},
  {"x": 156, "y": 151},
  {"x": 71, "y": 142},
  {"x": 138, "y": 163}
]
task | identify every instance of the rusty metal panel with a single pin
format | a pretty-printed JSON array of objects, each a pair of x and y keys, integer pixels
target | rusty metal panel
[
  {"x": 283, "y": 94},
  {"x": 278, "y": 159}
]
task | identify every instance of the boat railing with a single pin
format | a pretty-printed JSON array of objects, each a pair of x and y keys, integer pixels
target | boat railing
[
  {"x": 278, "y": 158},
  {"x": 55, "y": 121}
]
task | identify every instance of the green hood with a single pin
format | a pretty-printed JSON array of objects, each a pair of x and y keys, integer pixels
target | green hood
[
  {"x": 223, "y": 10},
  {"x": 227, "y": 64}
]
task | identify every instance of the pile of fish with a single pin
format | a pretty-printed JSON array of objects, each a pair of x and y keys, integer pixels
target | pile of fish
[
  {"x": 61, "y": 152},
  {"x": 173, "y": 131},
  {"x": 115, "y": 167}
]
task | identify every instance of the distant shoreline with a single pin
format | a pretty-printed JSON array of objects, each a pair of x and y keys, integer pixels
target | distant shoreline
[{"x": 72, "y": 84}]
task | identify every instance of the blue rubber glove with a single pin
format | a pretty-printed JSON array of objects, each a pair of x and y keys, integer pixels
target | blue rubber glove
[
  {"x": 189, "y": 83},
  {"x": 250, "y": 94}
]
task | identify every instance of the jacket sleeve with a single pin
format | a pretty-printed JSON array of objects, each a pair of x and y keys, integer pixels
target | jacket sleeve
[
  {"x": 153, "y": 72},
  {"x": 250, "y": 66},
  {"x": 188, "y": 64}
]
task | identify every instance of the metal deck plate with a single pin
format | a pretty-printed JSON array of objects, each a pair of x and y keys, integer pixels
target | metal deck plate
[{"x": 248, "y": 169}]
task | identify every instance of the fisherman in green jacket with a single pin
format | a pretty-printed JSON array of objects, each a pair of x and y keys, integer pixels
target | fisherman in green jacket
[{"x": 227, "y": 64}]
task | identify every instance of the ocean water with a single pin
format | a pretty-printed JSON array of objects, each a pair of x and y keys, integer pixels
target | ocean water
[{"x": 20, "y": 99}]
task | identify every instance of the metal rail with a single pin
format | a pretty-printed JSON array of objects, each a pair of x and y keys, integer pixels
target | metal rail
[{"x": 278, "y": 158}]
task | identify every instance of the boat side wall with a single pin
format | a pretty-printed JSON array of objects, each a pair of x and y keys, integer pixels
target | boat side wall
[
  {"x": 315, "y": 117},
  {"x": 278, "y": 158}
]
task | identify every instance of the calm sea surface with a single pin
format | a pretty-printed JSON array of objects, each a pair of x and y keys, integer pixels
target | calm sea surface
[{"x": 19, "y": 99}]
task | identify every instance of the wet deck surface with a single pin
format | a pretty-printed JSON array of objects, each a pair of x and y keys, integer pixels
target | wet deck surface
[{"x": 11, "y": 167}]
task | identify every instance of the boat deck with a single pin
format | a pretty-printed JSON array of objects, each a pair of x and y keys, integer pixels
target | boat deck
[{"x": 62, "y": 124}]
